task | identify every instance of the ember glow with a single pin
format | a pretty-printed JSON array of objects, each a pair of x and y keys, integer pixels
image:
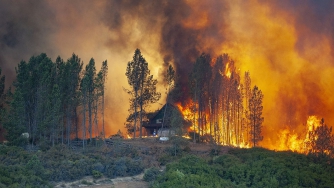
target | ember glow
[{"x": 287, "y": 46}]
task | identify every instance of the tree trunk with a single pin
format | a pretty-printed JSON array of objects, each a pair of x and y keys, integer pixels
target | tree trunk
[{"x": 135, "y": 127}]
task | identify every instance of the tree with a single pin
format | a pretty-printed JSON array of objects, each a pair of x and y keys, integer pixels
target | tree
[
  {"x": 84, "y": 91},
  {"x": 103, "y": 72},
  {"x": 169, "y": 79},
  {"x": 177, "y": 125},
  {"x": 135, "y": 72},
  {"x": 55, "y": 103},
  {"x": 255, "y": 115},
  {"x": 321, "y": 139},
  {"x": 89, "y": 87},
  {"x": 247, "y": 97},
  {"x": 70, "y": 78},
  {"x": 2, "y": 89},
  {"x": 143, "y": 88},
  {"x": 2, "y": 102},
  {"x": 199, "y": 85}
]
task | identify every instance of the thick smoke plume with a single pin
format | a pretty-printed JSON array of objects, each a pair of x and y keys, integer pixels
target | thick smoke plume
[{"x": 286, "y": 45}]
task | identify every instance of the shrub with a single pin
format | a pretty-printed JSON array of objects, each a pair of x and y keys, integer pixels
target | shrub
[
  {"x": 96, "y": 174},
  {"x": 151, "y": 174}
]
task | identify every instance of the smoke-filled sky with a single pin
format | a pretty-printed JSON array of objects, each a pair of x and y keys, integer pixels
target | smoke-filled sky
[{"x": 286, "y": 45}]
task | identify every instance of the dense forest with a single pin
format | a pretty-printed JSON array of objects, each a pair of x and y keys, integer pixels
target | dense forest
[
  {"x": 48, "y": 98},
  {"x": 56, "y": 102},
  {"x": 53, "y": 106}
]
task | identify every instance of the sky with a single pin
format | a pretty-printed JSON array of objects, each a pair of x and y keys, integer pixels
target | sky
[{"x": 286, "y": 45}]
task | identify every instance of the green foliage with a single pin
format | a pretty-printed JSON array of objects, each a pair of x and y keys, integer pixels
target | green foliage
[
  {"x": 178, "y": 145},
  {"x": 124, "y": 167},
  {"x": 143, "y": 89},
  {"x": 25, "y": 169},
  {"x": 254, "y": 167},
  {"x": 96, "y": 174},
  {"x": 167, "y": 158},
  {"x": 20, "y": 169},
  {"x": 151, "y": 174}
]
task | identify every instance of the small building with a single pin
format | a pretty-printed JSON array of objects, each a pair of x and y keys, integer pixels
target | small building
[{"x": 157, "y": 121}]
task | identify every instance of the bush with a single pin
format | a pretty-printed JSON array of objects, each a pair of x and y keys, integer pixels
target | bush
[
  {"x": 124, "y": 167},
  {"x": 248, "y": 168},
  {"x": 96, "y": 174},
  {"x": 151, "y": 174}
]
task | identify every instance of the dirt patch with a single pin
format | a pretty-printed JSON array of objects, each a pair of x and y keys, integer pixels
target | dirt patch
[{"x": 121, "y": 182}]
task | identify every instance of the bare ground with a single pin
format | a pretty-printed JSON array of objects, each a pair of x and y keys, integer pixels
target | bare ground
[{"x": 121, "y": 182}]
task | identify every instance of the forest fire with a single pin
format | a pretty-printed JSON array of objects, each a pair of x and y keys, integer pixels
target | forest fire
[
  {"x": 286, "y": 46},
  {"x": 295, "y": 140}
]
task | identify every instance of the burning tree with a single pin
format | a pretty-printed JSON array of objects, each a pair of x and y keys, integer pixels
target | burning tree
[
  {"x": 199, "y": 89},
  {"x": 321, "y": 140},
  {"x": 216, "y": 101}
]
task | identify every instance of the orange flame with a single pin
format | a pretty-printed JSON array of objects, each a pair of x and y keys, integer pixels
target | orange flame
[
  {"x": 189, "y": 113},
  {"x": 228, "y": 70},
  {"x": 294, "y": 140}
]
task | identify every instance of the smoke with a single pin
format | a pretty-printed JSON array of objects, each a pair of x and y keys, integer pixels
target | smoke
[
  {"x": 23, "y": 32},
  {"x": 286, "y": 45}
]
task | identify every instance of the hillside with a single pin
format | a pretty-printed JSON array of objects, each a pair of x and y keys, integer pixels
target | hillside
[{"x": 150, "y": 163}]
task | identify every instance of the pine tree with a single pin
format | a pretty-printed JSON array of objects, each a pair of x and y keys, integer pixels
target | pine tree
[
  {"x": 143, "y": 88},
  {"x": 90, "y": 88},
  {"x": 104, "y": 72},
  {"x": 169, "y": 79},
  {"x": 2, "y": 102},
  {"x": 199, "y": 86},
  {"x": 255, "y": 115}
]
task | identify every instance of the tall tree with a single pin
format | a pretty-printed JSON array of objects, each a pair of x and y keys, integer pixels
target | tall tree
[
  {"x": 169, "y": 79},
  {"x": 143, "y": 87},
  {"x": 103, "y": 73},
  {"x": 55, "y": 109},
  {"x": 83, "y": 93},
  {"x": 99, "y": 83},
  {"x": 199, "y": 77},
  {"x": 2, "y": 101},
  {"x": 135, "y": 76},
  {"x": 255, "y": 115},
  {"x": 89, "y": 85},
  {"x": 2, "y": 90},
  {"x": 71, "y": 75},
  {"x": 248, "y": 92}
]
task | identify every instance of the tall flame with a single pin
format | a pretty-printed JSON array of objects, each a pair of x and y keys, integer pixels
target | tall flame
[{"x": 296, "y": 140}]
